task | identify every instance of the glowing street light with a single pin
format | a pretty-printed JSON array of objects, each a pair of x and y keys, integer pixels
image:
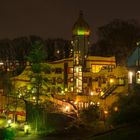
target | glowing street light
[
  {"x": 91, "y": 93},
  {"x": 67, "y": 108},
  {"x": 111, "y": 81},
  {"x": 105, "y": 112},
  {"x": 26, "y": 128},
  {"x": 9, "y": 122},
  {"x": 34, "y": 97},
  {"x": 98, "y": 103},
  {"x": 115, "y": 108}
]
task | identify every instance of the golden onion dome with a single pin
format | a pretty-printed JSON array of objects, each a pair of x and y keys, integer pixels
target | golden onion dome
[{"x": 81, "y": 28}]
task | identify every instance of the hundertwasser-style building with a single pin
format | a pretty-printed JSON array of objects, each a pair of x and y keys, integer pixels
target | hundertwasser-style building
[
  {"x": 81, "y": 74},
  {"x": 82, "y": 79}
]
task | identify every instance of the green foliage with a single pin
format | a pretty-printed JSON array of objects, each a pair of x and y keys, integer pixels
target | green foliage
[
  {"x": 37, "y": 117},
  {"x": 18, "y": 70},
  {"x": 36, "y": 68},
  {"x": 7, "y": 134},
  {"x": 37, "y": 54},
  {"x": 90, "y": 114},
  {"x": 128, "y": 110},
  {"x": 36, "y": 57},
  {"x": 7, "y": 84}
]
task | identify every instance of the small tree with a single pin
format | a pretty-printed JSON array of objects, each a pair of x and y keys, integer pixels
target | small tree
[{"x": 36, "y": 58}]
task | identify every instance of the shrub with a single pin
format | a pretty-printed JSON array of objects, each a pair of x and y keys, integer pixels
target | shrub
[
  {"x": 90, "y": 114},
  {"x": 128, "y": 110},
  {"x": 7, "y": 134}
]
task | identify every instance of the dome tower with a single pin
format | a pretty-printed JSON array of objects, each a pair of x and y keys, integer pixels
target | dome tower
[{"x": 80, "y": 34}]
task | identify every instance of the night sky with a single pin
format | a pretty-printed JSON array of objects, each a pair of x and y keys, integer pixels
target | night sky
[{"x": 55, "y": 18}]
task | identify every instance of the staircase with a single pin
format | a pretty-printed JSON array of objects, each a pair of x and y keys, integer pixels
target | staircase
[{"x": 108, "y": 91}]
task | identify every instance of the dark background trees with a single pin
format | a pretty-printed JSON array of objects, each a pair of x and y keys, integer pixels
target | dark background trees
[
  {"x": 18, "y": 48},
  {"x": 117, "y": 38}
]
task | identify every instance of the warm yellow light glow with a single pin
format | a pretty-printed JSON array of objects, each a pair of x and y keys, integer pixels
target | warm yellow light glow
[
  {"x": 92, "y": 103},
  {"x": 71, "y": 88},
  {"x": 96, "y": 68},
  {"x": 77, "y": 69},
  {"x": 66, "y": 89},
  {"x": 105, "y": 112},
  {"x": 75, "y": 102},
  {"x": 116, "y": 108},
  {"x": 26, "y": 128},
  {"x": 111, "y": 80},
  {"x": 19, "y": 95},
  {"x": 101, "y": 93},
  {"x": 1, "y": 63},
  {"x": 130, "y": 77},
  {"x": 34, "y": 98},
  {"x": 9, "y": 121},
  {"x": 130, "y": 73},
  {"x": 67, "y": 108},
  {"x": 98, "y": 103},
  {"x": 57, "y": 51},
  {"x": 91, "y": 93},
  {"x": 14, "y": 125},
  {"x": 138, "y": 43}
]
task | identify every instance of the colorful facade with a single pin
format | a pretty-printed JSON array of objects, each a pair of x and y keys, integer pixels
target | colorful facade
[{"x": 82, "y": 79}]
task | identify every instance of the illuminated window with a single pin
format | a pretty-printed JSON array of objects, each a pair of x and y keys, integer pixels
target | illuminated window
[
  {"x": 71, "y": 88},
  {"x": 121, "y": 81},
  {"x": 70, "y": 70},
  {"x": 130, "y": 77},
  {"x": 138, "y": 77},
  {"x": 96, "y": 68}
]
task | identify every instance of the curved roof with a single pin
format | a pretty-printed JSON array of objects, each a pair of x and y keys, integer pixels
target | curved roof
[{"x": 81, "y": 27}]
